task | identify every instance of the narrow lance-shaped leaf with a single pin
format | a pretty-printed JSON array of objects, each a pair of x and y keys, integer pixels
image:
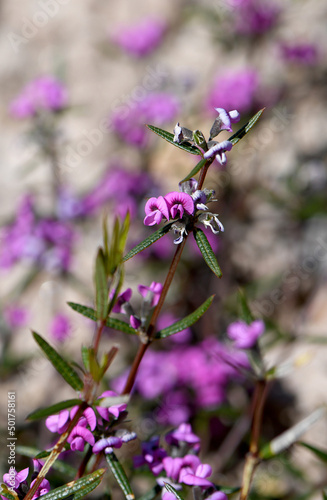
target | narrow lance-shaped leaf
[
  {"x": 246, "y": 314},
  {"x": 120, "y": 475},
  {"x": 85, "y": 351},
  {"x": 235, "y": 138},
  {"x": 81, "y": 486},
  {"x": 185, "y": 322},
  {"x": 207, "y": 252},
  {"x": 169, "y": 137},
  {"x": 86, "y": 490},
  {"x": 101, "y": 287},
  {"x": 287, "y": 438},
  {"x": 62, "y": 367},
  {"x": 148, "y": 241},
  {"x": 321, "y": 454},
  {"x": 196, "y": 169},
  {"x": 113, "y": 323},
  {"x": 51, "y": 410}
]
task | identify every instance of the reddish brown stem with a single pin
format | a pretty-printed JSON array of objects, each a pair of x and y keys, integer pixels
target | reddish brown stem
[
  {"x": 252, "y": 458},
  {"x": 98, "y": 334}
]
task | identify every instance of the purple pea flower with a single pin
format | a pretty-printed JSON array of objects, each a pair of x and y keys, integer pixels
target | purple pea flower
[
  {"x": 244, "y": 335},
  {"x": 108, "y": 444},
  {"x": 197, "y": 478},
  {"x": 18, "y": 477},
  {"x": 79, "y": 435},
  {"x": 182, "y": 434},
  {"x": 234, "y": 90},
  {"x": 217, "y": 495},
  {"x": 155, "y": 209},
  {"x": 152, "y": 455},
  {"x": 178, "y": 203},
  {"x": 58, "y": 423},
  {"x": 151, "y": 293},
  {"x": 15, "y": 316},
  {"x": 122, "y": 299},
  {"x": 224, "y": 121},
  {"x": 113, "y": 410},
  {"x": 218, "y": 149}
]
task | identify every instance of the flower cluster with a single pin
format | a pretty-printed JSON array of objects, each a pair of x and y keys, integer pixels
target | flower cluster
[
  {"x": 187, "y": 378},
  {"x": 46, "y": 242},
  {"x": 43, "y": 94},
  {"x": 150, "y": 294},
  {"x": 184, "y": 206},
  {"x": 182, "y": 466},
  {"x": 92, "y": 424}
]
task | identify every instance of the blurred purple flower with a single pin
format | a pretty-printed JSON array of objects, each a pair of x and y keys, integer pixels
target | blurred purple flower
[
  {"x": 255, "y": 17},
  {"x": 44, "y": 93},
  {"x": 300, "y": 53},
  {"x": 152, "y": 455},
  {"x": 140, "y": 39},
  {"x": 244, "y": 335},
  {"x": 60, "y": 327},
  {"x": 15, "y": 315},
  {"x": 182, "y": 434},
  {"x": 198, "y": 477},
  {"x": 157, "y": 108},
  {"x": 151, "y": 293},
  {"x": 234, "y": 90}
]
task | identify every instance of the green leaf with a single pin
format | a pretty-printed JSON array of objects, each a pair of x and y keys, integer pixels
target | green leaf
[
  {"x": 229, "y": 489},
  {"x": 58, "y": 465},
  {"x": 85, "y": 350},
  {"x": 169, "y": 137},
  {"x": 148, "y": 241},
  {"x": 246, "y": 314},
  {"x": 51, "y": 410},
  {"x": 120, "y": 475},
  {"x": 62, "y": 367},
  {"x": 80, "y": 487},
  {"x": 235, "y": 138},
  {"x": 324, "y": 495},
  {"x": 7, "y": 493},
  {"x": 171, "y": 489},
  {"x": 85, "y": 491},
  {"x": 185, "y": 322},
  {"x": 195, "y": 170},
  {"x": 289, "y": 437},
  {"x": 101, "y": 286},
  {"x": 113, "y": 323},
  {"x": 321, "y": 454},
  {"x": 207, "y": 252}
]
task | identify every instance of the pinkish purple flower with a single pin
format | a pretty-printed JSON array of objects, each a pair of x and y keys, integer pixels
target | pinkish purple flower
[
  {"x": 15, "y": 316},
  {"x": 183, "y": 434},
  {"x": 140, "y": 39},
  {"x": 60, "y": 327},
  {"x": 155, "y": 209},
  {"x": 113, "y": 410},
  {"x": 151, "y": 293},
  {"x": 217, "y": 495},
  {"x": 300, "y": 53},
  {"x": 244, "y": 335},
  {"x": 14, "y": 479},
  {"x": 224, "y": 121},
  {"x": 58, "y": 423},
  {"x": 107, "y": 444},
  {"x": 234, "y": 90},
  {"x": 44, "y": 93},
  {"x": 197, "y": 478},
  {"x": 134, "y": 321},
  {"x": 121, "y": 299},
  {"x": 79, "y": 436},
  {"x": 179, "y": 202}
]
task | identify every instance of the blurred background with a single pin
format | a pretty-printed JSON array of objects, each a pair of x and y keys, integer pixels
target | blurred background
[{"x": 79, "y": 82}]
